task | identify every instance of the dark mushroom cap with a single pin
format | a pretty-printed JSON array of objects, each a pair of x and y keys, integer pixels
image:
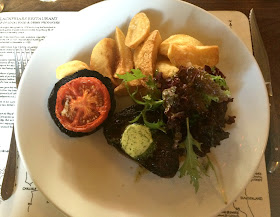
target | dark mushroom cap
[{"x": 82, "y": 73}]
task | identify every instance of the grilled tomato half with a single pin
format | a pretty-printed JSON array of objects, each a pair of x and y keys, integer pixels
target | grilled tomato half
[{"x": 80, "y": 103}]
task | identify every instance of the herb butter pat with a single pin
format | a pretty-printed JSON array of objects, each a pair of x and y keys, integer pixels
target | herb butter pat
[{"x": 136, "y": 140}]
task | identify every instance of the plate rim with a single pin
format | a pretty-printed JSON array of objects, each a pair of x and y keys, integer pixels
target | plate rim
[{"x": 37, "y": 50}]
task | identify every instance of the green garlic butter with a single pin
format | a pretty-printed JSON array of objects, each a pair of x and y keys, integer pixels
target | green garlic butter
[{"x": 136, "y": 139}]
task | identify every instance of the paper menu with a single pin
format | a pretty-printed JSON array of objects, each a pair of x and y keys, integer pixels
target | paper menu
[{"x": 26, "y": 30}]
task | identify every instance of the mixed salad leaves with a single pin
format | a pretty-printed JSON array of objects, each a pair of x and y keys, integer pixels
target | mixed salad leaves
[{"x": 191, "y": 108}]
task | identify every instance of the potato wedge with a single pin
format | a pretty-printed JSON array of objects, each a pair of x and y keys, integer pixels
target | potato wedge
[
  {"x": 178, "y": 39},
  {"x": 103, "y": 58},
  {"x": 180, "y": 55},
  {"x": 138, "y": 30},
  {"x": 125, "y": 61},
  {"x": 145, "y": 55},
  {"x": 166, "y": 68},
  {"x": 70, "y": 68}
]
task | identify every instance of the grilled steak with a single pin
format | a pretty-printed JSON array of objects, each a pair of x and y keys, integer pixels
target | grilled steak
[{"x": 163, "y": 161}]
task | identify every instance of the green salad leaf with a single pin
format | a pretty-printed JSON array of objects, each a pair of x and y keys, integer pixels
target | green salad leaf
[
  {"x": 191, "y": 165},
  {"x": 224, "y": 89},
  {"x": 151, "y": 101},
  {"x": 220, "y": 81},
  {"x": 135, "y": 75}
]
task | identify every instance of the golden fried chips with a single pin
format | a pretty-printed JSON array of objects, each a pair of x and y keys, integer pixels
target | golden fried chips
[{"x": 144, "y": 50}]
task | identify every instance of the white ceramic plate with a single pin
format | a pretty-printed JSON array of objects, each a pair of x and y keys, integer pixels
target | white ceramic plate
[{"x": 85, "y": 176}]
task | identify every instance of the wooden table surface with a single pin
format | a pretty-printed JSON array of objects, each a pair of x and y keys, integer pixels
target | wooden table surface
[{"x": 268, "y": 17}]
